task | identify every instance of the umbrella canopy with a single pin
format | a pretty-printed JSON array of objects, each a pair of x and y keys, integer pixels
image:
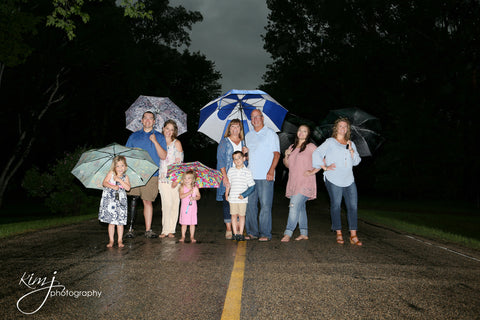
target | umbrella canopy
[
  {"x": 163, "y": 108},
  {"x": 364, "y": 128},
  {"x": 239, "y": 104},
  {"x": 206, "y": 176},
  {"x": 94, "y": 165},
  {"x": 290, "y": 128}
]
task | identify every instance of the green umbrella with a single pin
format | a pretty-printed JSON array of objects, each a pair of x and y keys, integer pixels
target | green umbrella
[{"x": 94, "y": 165}]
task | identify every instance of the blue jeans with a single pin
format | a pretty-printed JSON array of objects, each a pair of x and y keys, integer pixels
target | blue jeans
[
  {"x": 350, "y": 194},
  {"x": 297, "y": 214},
  {"x": 260, "y": 225},
  {"x": 227, "y": 218}
]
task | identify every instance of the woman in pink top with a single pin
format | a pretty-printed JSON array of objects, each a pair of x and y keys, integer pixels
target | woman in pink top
[{"x": 300, "y": 188}]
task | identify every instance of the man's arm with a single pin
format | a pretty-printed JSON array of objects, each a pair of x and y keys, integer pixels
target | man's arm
[
  {"x": 271, "y": 171},
  {"x": 162, "y": 153}
]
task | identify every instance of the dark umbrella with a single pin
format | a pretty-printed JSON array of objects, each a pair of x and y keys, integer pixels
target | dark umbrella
[
  {"x": 290, "y": 128},
  {"x": 364, "y": 128}
]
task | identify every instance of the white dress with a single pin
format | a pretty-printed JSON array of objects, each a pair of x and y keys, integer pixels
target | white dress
[{"x": 113, "y": 205}]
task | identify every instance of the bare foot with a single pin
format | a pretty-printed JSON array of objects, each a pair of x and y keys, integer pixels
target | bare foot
[
  {"x": 301, "y": 237},
  {"x": 162, "y": 235},
  {"x": 182, "y": 240},
  {"x": 110, "y": 244},
  {"x": 285, "y": 238},
  {"x": 171, "y": 235},
  {"x": 192, "y": 240},
  {"x": 120, "y": 244}
]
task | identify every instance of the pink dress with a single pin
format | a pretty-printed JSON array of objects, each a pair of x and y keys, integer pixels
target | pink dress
[
  {"x": 298, "y": 163},
  {"x": 188, "y": 209}
]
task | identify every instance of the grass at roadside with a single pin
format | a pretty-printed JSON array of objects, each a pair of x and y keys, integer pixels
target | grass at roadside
[
  {"x": 440, "y": 221},
  {"x": 448, "y": 222},
  {"x": 26, "y": 217},
  {"x": 14, "y": 228}
]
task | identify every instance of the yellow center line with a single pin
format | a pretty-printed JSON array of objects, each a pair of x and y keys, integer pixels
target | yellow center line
[{"x": 233, "y": 300}]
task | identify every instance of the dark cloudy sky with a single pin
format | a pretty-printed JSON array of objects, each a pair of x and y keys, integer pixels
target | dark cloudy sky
[{"x": 230, "y": 35}]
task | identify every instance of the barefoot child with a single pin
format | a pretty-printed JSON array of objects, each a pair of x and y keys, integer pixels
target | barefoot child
[
  {"x": 113, "y": 205},
  {"x": 189, "y": 194},
  {"x": 241, "y": 185}
]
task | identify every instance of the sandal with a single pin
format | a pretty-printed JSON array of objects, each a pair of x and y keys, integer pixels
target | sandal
[
  {"x": 285, "y": 238},
  {"x": 228, "y": 235},
  {"x": 354, "y": 240},
  {"x": 340, "y": 239}
]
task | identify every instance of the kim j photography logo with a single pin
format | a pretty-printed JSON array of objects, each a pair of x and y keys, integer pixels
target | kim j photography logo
[{"x": 42, "y": 288}]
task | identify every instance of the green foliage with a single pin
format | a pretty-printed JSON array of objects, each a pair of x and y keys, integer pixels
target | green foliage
[
  {"x": 63, "y": 14},
  {"x": 413, "y": 64},
  {"x": 65, "y": 11},
  {"x": 15, "y": 25},
  {"x": 168, "y": 25},
  {"x": 108, "y": 64},
  {"x": 59, "y": 188},
  {"x": 136, "y": 9}
]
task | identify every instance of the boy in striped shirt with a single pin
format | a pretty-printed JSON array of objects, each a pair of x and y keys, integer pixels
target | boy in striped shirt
[{"x": 241, "y": 185}]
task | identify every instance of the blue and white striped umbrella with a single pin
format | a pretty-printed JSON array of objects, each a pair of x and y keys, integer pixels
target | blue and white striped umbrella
[{"x": 239, "y": 104}]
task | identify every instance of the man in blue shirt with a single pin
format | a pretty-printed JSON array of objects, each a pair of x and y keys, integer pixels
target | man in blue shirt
[
  {"x": 154, "y": 143},
  {"x": 263, "y": 155}
]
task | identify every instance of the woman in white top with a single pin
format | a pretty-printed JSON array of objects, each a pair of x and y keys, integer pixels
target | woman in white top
[
  {"x": 169, "y": 190},
  {"x": 337, "y": 156}
]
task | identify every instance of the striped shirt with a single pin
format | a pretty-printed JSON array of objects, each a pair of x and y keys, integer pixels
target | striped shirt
[{"x": 240, "y": 180}]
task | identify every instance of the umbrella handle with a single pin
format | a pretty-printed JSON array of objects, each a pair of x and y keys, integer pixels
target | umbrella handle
[{"x": 241, "y": 122}]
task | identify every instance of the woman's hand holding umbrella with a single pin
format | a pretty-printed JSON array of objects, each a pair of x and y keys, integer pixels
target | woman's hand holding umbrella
[
  {"x": 245, "y": 151},
  {"x": 350, "y": 148}
]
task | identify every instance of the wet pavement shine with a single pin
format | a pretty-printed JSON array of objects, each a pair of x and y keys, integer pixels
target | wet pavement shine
[{"x": 68, "y": 273}]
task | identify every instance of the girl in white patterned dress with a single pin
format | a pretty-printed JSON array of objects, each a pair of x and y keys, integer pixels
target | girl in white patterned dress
[{"x": 113, "y": 205}]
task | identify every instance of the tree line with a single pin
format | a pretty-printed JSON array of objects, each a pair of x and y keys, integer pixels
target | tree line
[
  {"x": 414, "y": 64},
  {"x": 60, "y": 91}
]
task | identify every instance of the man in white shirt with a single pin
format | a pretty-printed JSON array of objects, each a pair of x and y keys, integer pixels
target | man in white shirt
[{"x": 263, "y": 155}]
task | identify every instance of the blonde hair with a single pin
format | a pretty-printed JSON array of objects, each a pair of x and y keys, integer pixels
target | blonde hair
[
  {"x": 115, "y": 161},
  {"x": 234, "y": 121},
  {"x": 335, "y": 128},
  {"x": 189, "y": 172}
]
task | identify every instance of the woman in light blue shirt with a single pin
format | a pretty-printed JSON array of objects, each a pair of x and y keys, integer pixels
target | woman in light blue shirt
[{"x": 337, "y": 156}]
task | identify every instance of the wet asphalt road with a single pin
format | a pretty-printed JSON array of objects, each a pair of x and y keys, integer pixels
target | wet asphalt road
[{"x": 392, "y": 277}]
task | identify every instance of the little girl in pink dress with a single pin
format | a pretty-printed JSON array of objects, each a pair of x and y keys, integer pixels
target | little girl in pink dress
[{"x": 189, "y": 194}]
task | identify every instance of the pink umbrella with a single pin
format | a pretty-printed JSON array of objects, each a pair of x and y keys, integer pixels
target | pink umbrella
[{"x": 206, "y": 176}]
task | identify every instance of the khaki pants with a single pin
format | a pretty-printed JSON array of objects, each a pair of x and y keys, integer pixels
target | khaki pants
[
  {"x": 147, "y": 192},
  {"x": 170, "y": 207}
]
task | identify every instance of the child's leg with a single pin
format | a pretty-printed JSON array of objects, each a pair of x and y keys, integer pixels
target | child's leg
[
  {"x": 184, "y": 230},
  {"x": 120, "y": 236},
  {"x": 111, "y": 233},
  {"x": 241, "y": 224},
  {"x": 192, "y": 233},
  {"x": 235, "y": 224}
]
